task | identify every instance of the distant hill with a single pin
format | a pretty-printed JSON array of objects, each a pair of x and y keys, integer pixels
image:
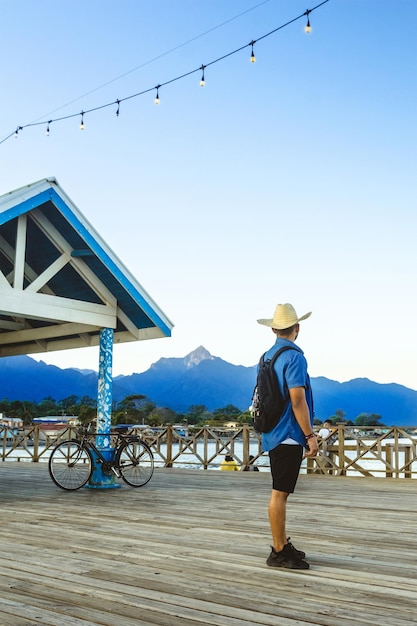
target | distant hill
[{"x": 200, "y": 378}]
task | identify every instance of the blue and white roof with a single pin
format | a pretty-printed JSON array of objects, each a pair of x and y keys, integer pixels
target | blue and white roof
[{"x": 60, "y": 284}]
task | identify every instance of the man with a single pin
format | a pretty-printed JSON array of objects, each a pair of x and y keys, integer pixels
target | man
[
  {"x": 250, "y": 467},
  {"x": 293, "y": 437},
  {"x": 325, "y": 430},
  {"x": 325, "y": 437},
  {"x": 229, "y": 464}
]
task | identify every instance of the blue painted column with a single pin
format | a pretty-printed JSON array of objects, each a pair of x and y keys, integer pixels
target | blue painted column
[{"x": 99, "y": 479}]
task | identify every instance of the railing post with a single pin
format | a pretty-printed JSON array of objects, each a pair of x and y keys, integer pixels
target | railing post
[
  {"x": 388, "y": 461},
  {"x": 169, "y": 446},
  {"x": 205, "y": 440},
  {"x": 396, "y": 454},
  {"x": 407, "y": 462},
  {"x": 341, "y": 448},
  {"x": 36, "y": 444},
  {"x": 3, "y": 430},
  {"x": 245, "y": 445},
  {"x": 310, "y": 465}
]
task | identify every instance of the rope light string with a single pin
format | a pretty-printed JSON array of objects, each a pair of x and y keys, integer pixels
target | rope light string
[
  {"x": 160, "y": 56},
  {"x": 201, "y": 68}
]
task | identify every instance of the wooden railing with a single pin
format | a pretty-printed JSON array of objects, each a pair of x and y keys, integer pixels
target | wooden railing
[{"x": 387, "y": 452}]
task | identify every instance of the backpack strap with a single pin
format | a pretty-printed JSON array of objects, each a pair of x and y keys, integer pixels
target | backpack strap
[
  {"x": 282, "y": 349},
  {"x": 274, "y": 358},
  {"x": 276, "y": 355}
]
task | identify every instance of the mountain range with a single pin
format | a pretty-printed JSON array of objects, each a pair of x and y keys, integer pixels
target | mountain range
[{"x": 202, "y": 379}]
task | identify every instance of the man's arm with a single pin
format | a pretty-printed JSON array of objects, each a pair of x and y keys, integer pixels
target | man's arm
[{"x": 302, "y": 415}]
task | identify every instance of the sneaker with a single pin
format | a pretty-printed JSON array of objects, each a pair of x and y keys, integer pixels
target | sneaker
[
  {"x": 299, "y": 553},
  {"x": 287, "y": 558}
]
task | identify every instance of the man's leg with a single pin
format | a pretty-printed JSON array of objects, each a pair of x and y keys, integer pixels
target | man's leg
[
  {"x": 277, "y": 515},
  {"x": 285, "y": 466},
  {"x": 283, "y": 553}
]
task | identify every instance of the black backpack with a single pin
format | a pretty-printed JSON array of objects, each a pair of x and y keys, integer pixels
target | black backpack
[{"x": 268, "y": 404}]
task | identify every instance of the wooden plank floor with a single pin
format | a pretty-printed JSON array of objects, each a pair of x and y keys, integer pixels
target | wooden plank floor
[{"x": 189, "y": 549}]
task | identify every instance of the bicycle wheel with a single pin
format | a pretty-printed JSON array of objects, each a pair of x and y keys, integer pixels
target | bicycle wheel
[
  {"x": 135, "y": 462},
  {"x": 70, "y": 465}
]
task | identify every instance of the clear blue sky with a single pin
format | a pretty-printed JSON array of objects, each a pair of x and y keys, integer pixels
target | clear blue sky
[{"x": 292, "y": 179}]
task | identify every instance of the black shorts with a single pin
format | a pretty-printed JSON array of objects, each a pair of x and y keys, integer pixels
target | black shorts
[{"x": 285, "y": 463}]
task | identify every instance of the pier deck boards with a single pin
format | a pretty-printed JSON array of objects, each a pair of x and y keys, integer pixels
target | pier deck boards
[{"x": 189, "y": 549}]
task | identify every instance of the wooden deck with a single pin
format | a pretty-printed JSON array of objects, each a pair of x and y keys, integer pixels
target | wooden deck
[{"x": 189, "y": 549}]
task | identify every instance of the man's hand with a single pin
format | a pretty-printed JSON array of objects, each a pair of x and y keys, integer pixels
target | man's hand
[{"x": 313, "y": 447}]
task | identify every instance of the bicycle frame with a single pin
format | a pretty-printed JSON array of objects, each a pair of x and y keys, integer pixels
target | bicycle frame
[{"x": 87, "y": 442}]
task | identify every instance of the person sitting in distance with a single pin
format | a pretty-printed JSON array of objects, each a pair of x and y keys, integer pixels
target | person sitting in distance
[
  {"x": 325, "y": 430},
  {"x": 229, "y": 464},
  {"x": 250, "y": 467}
]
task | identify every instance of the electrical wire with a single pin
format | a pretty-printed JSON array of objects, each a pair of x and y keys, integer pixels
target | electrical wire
[
  {"x": 157, "y": 87},
  {"x": 160, "y": 56}
]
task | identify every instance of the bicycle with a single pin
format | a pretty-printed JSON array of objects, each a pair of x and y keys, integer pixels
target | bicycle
[{"x": 71, "y": 463}]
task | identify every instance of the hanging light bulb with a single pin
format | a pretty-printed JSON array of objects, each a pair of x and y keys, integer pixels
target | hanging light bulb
[
  {"x": 82, "y": 125},
  {"x": 16, "y": 132},
  {"x": 47, "y": 128},
  {"x": 308, "y": 27},
  {"x": 157, "y": 94},
  {"x": 252, "y": 57},
  {"x": 118, "y": 108},
  {"x": 202, "y": 81}
]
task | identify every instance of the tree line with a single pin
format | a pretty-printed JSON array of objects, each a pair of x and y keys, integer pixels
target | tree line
[{"x": 139, "y": 409}]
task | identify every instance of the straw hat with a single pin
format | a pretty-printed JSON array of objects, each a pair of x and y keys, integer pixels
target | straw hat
[{"x": 284, "y": 317}]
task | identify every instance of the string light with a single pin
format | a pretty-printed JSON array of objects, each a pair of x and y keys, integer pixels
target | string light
[
  {"x": 307, "y": 27},
  {"x": 202, "y": 80},
  {"x": 252, "y": 57}
]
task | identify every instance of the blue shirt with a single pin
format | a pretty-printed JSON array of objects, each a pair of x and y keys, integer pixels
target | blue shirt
[{"x": 291, "y": 370}]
